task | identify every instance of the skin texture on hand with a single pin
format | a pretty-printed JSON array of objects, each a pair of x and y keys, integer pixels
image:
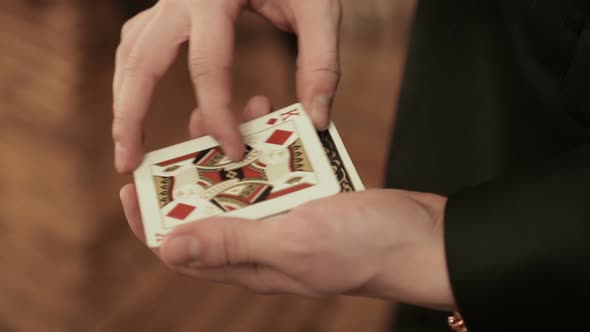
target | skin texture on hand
[
  {"x": 150, "y": 43},
  {"x": 379, "y": 243}
]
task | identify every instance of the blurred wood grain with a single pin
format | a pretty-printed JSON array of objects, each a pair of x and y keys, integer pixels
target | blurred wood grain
[{"x": 68, "y": 261}]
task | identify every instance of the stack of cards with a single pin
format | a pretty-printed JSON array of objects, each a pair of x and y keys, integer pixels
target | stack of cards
[{"x": 287, "y": 163}]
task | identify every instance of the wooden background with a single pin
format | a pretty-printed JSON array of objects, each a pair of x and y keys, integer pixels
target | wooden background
[{"x": 67, "y": 260}]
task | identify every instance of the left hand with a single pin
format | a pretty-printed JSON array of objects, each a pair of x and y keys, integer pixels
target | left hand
[{"x": 380, "y": 243}]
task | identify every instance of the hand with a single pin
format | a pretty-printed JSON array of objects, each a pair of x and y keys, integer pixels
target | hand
[
  {"x": 150, "y": 42},
  {"x": 380, "y": 243}
]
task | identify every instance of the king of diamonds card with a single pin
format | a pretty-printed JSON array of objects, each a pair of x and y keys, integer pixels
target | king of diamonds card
[{"x": 284, "y": 166}]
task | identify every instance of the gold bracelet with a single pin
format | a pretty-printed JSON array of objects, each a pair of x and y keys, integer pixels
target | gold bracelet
[{"x": 457, "y": 323}]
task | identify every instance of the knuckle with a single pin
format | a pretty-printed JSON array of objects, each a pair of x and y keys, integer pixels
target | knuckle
[
  {"x": 330, "y": 68},
  {"x": 125, "y": 125},
  {"x": 202, "y": 66},
  {"x": 126, "y": 42},
  {"x": 126, "y": 28},
  {"x": 135, "y": 66},
  {"x": 119, "y": 106},
  {"x": 232, "y": 246},
  {"x": 133, "y": 63},
  {"x": 130, "y": 24},
  {"x": 117, "y": 130},
  {"x": 326, "y": 65},
  {"x": 198, "y": 66},
  {"x": 123, "y": 50}
]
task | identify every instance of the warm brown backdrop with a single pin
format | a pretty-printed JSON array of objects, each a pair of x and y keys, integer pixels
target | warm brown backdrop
[{"x": 67, "y": 259}]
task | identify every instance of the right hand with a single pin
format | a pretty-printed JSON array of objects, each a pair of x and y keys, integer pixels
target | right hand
[{"x": 150, "y": 43}]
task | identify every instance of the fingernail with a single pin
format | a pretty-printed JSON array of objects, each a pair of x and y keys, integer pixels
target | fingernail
[
  {"x": 119, "y": 156},
  {"x": 181, "y": 250},
  {"x": 320, "y": 107}
]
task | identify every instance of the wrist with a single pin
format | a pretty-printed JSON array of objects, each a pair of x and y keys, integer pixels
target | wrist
[{"x": 414, "y": 270}]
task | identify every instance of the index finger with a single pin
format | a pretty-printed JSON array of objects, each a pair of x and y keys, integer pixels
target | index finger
[
  {"x": 210, "y": 63},
  {"x": 148, "y": 59}
]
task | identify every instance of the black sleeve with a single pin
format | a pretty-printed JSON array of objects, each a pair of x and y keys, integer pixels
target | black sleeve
[{"x": 518, "y": 249}]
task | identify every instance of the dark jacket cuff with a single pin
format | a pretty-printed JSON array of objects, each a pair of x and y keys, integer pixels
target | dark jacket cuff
[{"x": 518, "y": 250}]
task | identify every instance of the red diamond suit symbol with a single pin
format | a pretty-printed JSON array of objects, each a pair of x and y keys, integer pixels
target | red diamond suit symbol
[
  {"x": 279, "y": 137},
  {"x": 181, "y": 211}
]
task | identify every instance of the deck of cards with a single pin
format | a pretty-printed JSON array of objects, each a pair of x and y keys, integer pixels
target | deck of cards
[{"x": 286, "y": 163}]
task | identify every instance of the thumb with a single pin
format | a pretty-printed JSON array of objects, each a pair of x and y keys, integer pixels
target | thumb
[
  {"x": 219, "y": 242},
  {"x": 318, "y": 64}
]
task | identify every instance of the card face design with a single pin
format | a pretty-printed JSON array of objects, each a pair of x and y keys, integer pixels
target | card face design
[
  {"x": 284, "y": 165},
  {"x": 206, "y": 183},
  {"x": 340, "y": 161}
]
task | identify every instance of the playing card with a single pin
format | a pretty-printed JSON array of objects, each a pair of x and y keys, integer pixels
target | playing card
[
  {"x": 342, "y": 165},
  {"x": 285, "y": 165}
]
